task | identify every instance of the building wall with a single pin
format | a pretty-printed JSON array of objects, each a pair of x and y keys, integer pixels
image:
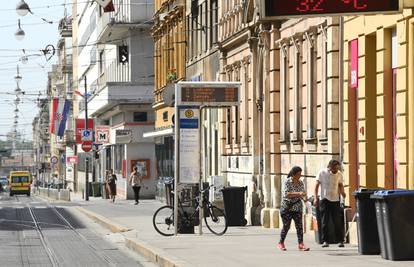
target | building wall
[
  {"x": 384, "y": 46},
  {"x": 308, "y": 99},
  {"x": 142, "y": 151},
  {"x": 169, "y": 55}
]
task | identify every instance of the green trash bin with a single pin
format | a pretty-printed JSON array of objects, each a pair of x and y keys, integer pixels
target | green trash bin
[{"x": 96, "y": 189}]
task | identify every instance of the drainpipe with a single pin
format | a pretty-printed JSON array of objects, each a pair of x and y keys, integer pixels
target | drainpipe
[
  {"x": 411, "y": 105},
  {"x": 259, "y": 105},
  {"x": 341, "y": 88}
]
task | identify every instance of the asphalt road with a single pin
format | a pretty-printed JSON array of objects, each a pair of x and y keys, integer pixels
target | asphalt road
[{"x": 36, "y": 233}]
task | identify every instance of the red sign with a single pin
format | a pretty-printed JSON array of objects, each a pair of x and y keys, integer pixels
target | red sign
[
  {"x": 284, "y": 8},
  {"x": 87, "y": 146},
  {"x": 80, "y": 125},
  {"x": 72, "y": 159},
  {"x": 353, "y": 64}
]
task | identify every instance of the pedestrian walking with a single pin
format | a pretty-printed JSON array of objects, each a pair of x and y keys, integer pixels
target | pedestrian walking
[
  {"x": 111, "y": 184},
  {"x": 135, "y": 180},
  {"x": 331, "y": 182},
  {"x": 292, "y": 207}
]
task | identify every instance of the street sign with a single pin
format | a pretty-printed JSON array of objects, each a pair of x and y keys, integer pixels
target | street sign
[
  {"x": 123, "y": 54},
  {"x": 80, "y": 126},
  {"x": 86, "y": 135},
  {"x": 72, "y": 159},
  {"x": 87, "y": 146},
  {"x": 123, "y": 136},
  {"x": 189, "y": 146},
  {"x": 208, "y": 94},
  {"x": 54, "y": 160},
  {"x": 102, "y": 134},
  {"x": 276, "y": 9}
]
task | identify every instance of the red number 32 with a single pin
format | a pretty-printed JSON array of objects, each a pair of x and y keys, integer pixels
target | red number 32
[{"x": 309, "y": 5}]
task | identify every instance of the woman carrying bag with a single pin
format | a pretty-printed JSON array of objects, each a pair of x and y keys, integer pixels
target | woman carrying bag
[
  {"x": 135, "y": 180},
  {"x": 292, "y": 207}
]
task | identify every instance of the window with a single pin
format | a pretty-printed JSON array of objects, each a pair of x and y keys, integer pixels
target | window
[
  {"x": 140, "y": 116},
  {"x": 165, "y": 116},
  {"x": 118, "y": 157},
  {"x": 102, "y": 62},
  {"x": 284, "y": 94},
  {"x": 214, "y": 22},
  {"x": 228, "y": 124}
]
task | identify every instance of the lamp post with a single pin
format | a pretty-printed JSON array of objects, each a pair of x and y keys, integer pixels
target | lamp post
[
  {"x": 19, "y": 34},
  {"x": 22, "y": 8},
  {"x": 86, "y": 158}
]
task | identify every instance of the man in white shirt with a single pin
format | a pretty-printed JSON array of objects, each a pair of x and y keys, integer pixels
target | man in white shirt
[{"x": 332, "y": 186}]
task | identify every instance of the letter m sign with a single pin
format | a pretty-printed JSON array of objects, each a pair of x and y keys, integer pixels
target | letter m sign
[{"x": 102, "y": 135}]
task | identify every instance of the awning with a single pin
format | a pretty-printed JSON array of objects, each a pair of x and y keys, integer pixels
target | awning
[{"x": 159, "y": 133}]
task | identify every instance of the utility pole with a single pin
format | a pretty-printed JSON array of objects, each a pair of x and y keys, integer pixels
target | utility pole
[{"x": 86, "y": 158}]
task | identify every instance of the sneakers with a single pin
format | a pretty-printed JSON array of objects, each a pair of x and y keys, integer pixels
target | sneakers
[
  {"x": 281, "y": 246},
  {"x": 302, "y": 247},
  {"x": 341, "y": 245},
  {"x": 325, "y": 245}
]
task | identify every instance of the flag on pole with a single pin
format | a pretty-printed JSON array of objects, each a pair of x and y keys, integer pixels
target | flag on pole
[
  {"x": 60, "y": 110},
  {"x": 107, "y": 5}
]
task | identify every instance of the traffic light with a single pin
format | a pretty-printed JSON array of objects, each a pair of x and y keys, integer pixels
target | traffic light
[{"x": 123, "y": 54}]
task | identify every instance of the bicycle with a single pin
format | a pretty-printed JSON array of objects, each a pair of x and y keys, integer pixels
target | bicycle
[{"x": 214, "y": 218}]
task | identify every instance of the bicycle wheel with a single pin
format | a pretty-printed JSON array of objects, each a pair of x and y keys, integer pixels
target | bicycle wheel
[
  {"x": 163, "y": 221},
  {"x": 215, "y": 220}
]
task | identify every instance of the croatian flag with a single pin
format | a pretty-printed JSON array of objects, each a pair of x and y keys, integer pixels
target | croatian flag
[{"x": 60, "y": 110}]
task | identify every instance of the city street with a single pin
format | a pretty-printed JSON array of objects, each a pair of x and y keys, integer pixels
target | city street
[
  {"x": 36, "y": 233},
  {"x": 239, "y": 246}
]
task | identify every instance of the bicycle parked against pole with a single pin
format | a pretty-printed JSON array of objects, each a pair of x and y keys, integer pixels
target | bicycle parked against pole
[{"x": 214, "y": 218}]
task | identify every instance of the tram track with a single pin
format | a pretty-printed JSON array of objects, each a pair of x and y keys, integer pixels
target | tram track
[{"x": 64, "y": 223}]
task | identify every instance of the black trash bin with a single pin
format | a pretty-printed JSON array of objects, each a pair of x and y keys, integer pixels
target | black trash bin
[
  {"x": 368, "y": 239},
  {"x": 234, "y": 205},
  {"x": 395, "y": 220}
]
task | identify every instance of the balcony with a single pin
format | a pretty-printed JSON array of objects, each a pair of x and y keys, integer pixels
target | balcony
[
  {"x": 115, "y": 93},
  {"x": 115, "y": 26}
]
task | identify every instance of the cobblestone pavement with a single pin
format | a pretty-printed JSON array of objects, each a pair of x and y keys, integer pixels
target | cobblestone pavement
[{"x": 36, "y": 233}]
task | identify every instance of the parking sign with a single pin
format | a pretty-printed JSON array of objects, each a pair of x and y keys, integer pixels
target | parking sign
[{"x": 86, "y": 135}]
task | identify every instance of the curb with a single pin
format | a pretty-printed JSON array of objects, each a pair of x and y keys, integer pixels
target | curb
[
  {"x": 114, "y": 227},
  {"x": 153, "y": 254}
]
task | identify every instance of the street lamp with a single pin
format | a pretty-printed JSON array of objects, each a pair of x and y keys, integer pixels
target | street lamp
[
  {"x": 18, "y": 91},
  {"x": 19, "y": 34},
  {"x": 22, "y": 8},
  {"x": 18, "y": 78}
]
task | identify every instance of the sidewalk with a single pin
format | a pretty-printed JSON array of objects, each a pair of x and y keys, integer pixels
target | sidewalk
[{"x": 240, "y": 246}]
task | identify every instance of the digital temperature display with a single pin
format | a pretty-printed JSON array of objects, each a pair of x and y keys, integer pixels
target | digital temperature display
[{"x": 298, "y": 8}]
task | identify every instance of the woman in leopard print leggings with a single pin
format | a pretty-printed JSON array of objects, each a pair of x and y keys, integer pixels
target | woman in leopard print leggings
[{"x": 291, "y": 207}]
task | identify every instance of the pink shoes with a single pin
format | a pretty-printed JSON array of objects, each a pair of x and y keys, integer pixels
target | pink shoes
[
  {"x": 281, "y": 246},
  {"x": 302, "y": 247}
]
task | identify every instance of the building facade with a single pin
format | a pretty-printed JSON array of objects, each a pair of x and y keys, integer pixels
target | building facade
[
  {"x": 308, "y": 99},
  {"x": 378, "y": 101},
  {"x": 115, "y": 62},
  {"x": 169, "y": 36}
]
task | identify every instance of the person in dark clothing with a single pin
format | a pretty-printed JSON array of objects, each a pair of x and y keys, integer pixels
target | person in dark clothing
[
  {"x": 135, "y": 180},
  {"x": 111, "y": 184},
  {"x": 330, "y": 181},
  {"x": 291, "y": 207}
]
